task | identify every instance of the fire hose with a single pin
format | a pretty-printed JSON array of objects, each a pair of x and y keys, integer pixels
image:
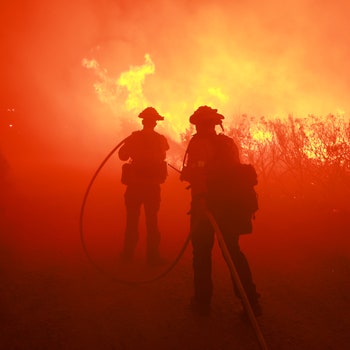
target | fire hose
[
  {"x": 220, "y": 239},
  {"x": 237, "y": 280},
  {"x": 82, "y": 235},
  {"x": 235, "y": 275}
]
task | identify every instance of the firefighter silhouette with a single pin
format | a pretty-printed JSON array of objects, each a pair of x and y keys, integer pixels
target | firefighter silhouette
[
  {"x": 146, "y": 169},
  {"x": 211, "y": 166}
]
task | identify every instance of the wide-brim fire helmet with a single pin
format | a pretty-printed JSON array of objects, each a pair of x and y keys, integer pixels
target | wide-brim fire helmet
[
  {"x": 150, "y": 113},
  {"x": 206, "y": 115}
]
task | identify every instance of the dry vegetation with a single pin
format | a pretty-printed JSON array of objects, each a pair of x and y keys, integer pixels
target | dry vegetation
[{"x": 299, "y": 158}]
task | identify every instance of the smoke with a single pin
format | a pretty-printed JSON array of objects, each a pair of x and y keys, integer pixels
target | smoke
[
  {"x": 70, "y": 93},
  {"x": 259, "y": 58}
]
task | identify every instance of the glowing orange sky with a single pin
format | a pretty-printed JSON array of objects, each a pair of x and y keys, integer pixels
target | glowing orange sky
[{"x": 255, "y": 57}]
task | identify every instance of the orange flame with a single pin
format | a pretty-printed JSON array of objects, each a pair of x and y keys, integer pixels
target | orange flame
[{"x": 127, "y": 93}]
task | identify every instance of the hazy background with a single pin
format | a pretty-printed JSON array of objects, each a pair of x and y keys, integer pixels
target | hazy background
[
  {"x": 259, "y": 58},
  {"x": 74, "y": 76}
]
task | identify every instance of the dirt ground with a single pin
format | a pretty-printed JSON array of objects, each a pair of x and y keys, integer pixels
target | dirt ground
[{"x": 52, "y": 297}]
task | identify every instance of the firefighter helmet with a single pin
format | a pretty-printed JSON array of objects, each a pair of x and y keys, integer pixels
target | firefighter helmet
[
  {"x": 206, "y": 114},
  {"x": 150, "y": 113}
]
